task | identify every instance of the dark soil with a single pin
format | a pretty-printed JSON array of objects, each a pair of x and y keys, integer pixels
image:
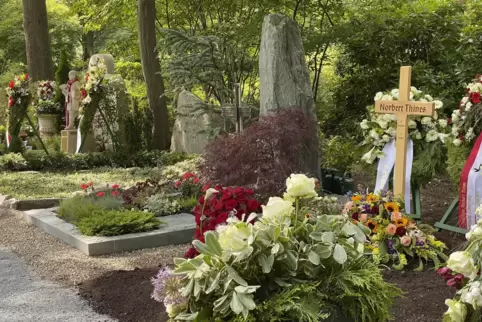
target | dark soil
[{"x": 125, "y": 295}]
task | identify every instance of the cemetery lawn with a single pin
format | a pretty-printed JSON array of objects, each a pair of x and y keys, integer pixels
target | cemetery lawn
[{"x": 32, "y": 185}]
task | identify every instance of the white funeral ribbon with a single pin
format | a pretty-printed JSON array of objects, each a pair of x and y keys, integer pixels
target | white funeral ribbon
[
  {"x": 474, "y": 190},
  {"x": 8, "y": 139},
  {"x": 385, "y": 166},
  {"x": 79, "y": 137}
]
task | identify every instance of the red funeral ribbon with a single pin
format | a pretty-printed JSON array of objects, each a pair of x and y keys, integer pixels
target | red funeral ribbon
[{"x": 469, "y": 165}]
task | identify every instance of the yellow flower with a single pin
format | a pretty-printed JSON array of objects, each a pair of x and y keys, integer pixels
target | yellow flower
[
  {"x": 372, "y": 225},
  {"x": 402, "y": 222},
  {"x": 376, "y": 251},
  {"x": 357, "y": 198},
  {"x": 392, "y": 207},
  {"x": 371, "y": 198}
]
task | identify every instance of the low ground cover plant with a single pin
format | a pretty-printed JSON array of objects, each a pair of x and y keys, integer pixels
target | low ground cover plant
[{"x": 101, "y": 212}]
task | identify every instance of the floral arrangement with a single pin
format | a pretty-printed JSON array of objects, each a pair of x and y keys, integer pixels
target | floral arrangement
[
  {"x": 45, "y": 98},
  {"x": 427, "y": 133},
  {"x": 393, "y": 235},
  {"x": 19, "y": 97},
  {"x": 463, "y": 272},
  {"x": 284, "y": 267},
  {"x": 466, "y": 127},
  {"x": 92, "y": 80},
  {"x": 216, "y": 206}
]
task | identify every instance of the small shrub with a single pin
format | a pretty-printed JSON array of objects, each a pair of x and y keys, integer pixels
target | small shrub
[
  {"x": 264, "y": 154},
  {"x": 189, "y": 185},
  {"x": 108, "y": 202},
  {"x": 117, "y": 222},
  {"x": 75, "y": 209},
  {"x": 13, "y": 162},
  {"x": 188, "y": 203},
  {"x": 162, "y": 204}
]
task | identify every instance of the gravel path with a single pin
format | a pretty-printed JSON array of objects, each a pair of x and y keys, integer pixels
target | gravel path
[
  {"x": 24, "y": 297},
  {"x": 56, "y": 261}
]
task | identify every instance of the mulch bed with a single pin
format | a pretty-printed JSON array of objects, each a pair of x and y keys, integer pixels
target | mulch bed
[{"x": 125, "y": 295}]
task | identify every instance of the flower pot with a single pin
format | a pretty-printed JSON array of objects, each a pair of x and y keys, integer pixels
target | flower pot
[{"x": 47, "y": 124}]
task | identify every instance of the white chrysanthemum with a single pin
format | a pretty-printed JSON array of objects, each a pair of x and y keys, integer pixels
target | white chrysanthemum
[
  {"x": 455, "y": 130},
  {"x": 431, "y": 136},
  {"x": 468, "y": 106},
  {"x": 374, "y": 134},
  {"x": 442, "y": 123},
  {"x": 385, "y": 138},
  {"x": 414, "y": 90},
  {"x": 418, "y": 135},
  {"x": 423, "y": 100},
  {"x": 387, "y": 97},
  {"x": 457, "y": 142},
  {"x": 443, "y": 137},
  {"x": 378, "y": 96},
  {"x": 465, "y": 100},
  {"x": 428, "y": 98},
  {"x": 383, "y": 124},
  {"x": 455, "y": 117},
  {"x": 470, "y": 134},
  {"x": 387, "y": 117},
  {"x": 412, "y": 124}
]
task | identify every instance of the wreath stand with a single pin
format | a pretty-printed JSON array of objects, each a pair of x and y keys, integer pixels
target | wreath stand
[
  {"x": 16, "y": 132},
  {"x": 451, "y": 212},
  {"x": 86, "y": 123}
]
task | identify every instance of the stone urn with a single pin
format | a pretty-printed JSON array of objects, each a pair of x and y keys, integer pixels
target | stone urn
[{"x": 47, "y": 124}]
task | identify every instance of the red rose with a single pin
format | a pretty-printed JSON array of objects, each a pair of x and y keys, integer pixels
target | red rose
[
  {"x": 84, "y": 186},
  {"x": 115, "y": 193},
  {"x": 230, "y": 204},
  {"x": 475, "y": 97},
  {"x": 11, "y": 102},
  {"x": 401, "y": 231},
  {"x": 115, "y": 186},
  {"x": 11, "y": 84},
  {"x": 253, "y": 205}
]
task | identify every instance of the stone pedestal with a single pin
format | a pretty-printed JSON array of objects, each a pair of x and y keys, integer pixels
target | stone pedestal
[{"x": 68, "y": 143}]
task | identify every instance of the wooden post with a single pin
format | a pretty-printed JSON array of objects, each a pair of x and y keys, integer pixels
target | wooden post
[
  {"x": 237, "y": 104},
  {"x": 403, "y": 108}
]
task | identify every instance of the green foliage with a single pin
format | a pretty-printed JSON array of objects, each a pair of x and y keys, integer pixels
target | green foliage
[
  {"x": 61, "y": 76},
  {"x": 162, "y": 204},
  {"x": 39, "y": 160},
  {"x": 456, "y": 158},
  {"x": 428, "y": 159},
  {"x": 339, "y": 153},
  {"x": 117, "y": 222},
  {"x": 77, "y": 208}
]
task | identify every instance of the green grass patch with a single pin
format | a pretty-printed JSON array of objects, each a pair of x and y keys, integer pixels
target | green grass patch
[{"x": 21, "y": 185}]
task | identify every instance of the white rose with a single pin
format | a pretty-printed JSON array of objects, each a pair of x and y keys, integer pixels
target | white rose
[
  {"x": 387, "y": 97},
  {"x": 457, "y": 142},
  {"x": 435, "y": 115},
  {"x": 456, "y": 311},
  {"x": 300, "y": 186},
  {"x": 443, "y": 137},
  {"x": 475, "y": 232},
  {"x": 442, "y": 123},
  {"x": 438, "y": 104},
  {"x": 364, "y": 124},
  {"x": 277, "y": 208},
  {"x": 471, "y": 294},
  {"x": 462, "y": 262},
  {"x": 378, "y": 96},
  {"x": 235, "y": 237},
  {"x": 431, "y": 136},
  {"x": 412, "y": 124}
]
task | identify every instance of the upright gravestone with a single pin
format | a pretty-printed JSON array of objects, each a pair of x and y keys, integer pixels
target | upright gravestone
[
  {"x": 285, "y": 78},
  {"x": 190, "y": 133}
]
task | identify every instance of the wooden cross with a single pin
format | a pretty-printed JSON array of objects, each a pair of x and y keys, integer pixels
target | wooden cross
[{"x": 402, "y": 109}]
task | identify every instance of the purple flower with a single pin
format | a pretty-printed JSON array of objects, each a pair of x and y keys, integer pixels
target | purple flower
[
  {"x": 366, "y": 208},
  {"x": 167, "y": 288},
  {"x": 420, "y": 243},
  {"x": 390, "y": 247}
]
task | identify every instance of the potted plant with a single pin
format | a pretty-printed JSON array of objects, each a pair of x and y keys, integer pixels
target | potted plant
[{"x": 47, "y": 109}]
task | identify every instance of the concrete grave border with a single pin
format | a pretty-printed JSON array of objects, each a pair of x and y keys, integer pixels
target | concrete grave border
[{"x": 179, "y": 229}]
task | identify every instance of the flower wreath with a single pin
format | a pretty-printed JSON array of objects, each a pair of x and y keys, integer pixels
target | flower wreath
[
  {"x": 427, "y": 133},
  {"x": 19, "y": 97}
]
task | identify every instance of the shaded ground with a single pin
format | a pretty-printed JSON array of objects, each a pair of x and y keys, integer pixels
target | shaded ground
[{"x": 125, "y": 295}]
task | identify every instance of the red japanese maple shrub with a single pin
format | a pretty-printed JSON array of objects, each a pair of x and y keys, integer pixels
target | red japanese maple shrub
[
  {"x": 230, "y": 201},
  {"x": 265, "y": 154}
]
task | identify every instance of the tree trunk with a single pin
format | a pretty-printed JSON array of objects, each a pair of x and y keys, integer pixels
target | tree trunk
[
  {"x": 37, "y": 40},
  {"x": 146, "y": 19},
  {"x": 87, "y": 45}
]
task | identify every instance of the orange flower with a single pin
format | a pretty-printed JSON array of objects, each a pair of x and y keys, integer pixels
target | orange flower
[
  {"x": 357, "y": 198},
  {"x": 371, "y": 198},
  {"x": 402, "y": 222},
  {"x": 392, "y": 207},
  {"x": 396, "y": 215},
  {"x": 372, "y": 225}
]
